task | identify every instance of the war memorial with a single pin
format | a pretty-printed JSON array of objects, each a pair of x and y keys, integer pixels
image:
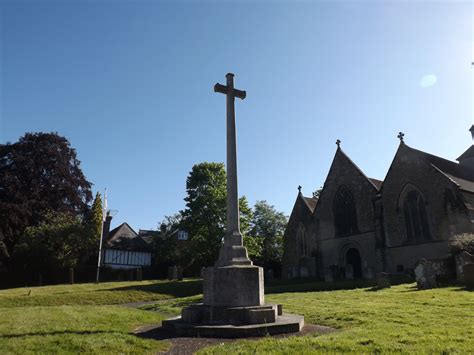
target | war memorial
[{"x": 234, "y": 301}]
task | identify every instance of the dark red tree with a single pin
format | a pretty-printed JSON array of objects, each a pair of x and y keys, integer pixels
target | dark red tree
[{"x": 39, "y": 173}]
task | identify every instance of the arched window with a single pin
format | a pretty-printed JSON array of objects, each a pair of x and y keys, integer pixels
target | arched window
[
  {"x": 415, "y": 217},
  {"x": 302, "y": 240},
  {"x": 345, "y": 214}
]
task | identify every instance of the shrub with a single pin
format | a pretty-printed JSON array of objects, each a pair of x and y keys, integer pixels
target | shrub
[{"x": 462, "y": 242}]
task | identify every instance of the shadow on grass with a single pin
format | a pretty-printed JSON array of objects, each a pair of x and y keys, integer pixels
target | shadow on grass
[
  {"x": 62, "y": 332},
  {"x": 305, "y": 285},
  {"x": 172, "y": 288}
]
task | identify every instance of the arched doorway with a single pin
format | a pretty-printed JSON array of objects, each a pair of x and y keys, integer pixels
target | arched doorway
[{"x": 353, "y": 259}]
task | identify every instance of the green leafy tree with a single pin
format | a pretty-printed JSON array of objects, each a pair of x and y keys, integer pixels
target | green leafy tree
[
  {"x": 205, "y": 215},
  {"x": 96, "y": 216},
  {"x": 164, "y": 244},
  {"x": 246, "y": 215},
  {"x": 269, "y": 224},
  {"x": 59, "y": 241},
  {"x": 39, "y": 173},
  {"x": 254, "y": 247}
]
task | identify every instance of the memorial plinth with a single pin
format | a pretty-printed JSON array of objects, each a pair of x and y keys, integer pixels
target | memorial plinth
[{"x": 234, "y": 302}]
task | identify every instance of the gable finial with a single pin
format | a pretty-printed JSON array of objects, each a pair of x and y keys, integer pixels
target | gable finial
[
  {"x": 299, "y": 188},
  {"x": 400, "y": 136},
  {"x": 338, "y": 143}
]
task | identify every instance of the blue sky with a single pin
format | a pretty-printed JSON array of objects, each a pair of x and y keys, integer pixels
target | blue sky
[{"x": 130, "y": 84}]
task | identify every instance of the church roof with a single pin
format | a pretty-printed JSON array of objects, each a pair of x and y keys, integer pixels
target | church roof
[
  {"x": 378, "y": 183},
  {"x": 461, "y": 175},
  {"x": 124, "y": 237},
  {"x": 469, "y": 153},
  {"x": 373, "y": 182},
  {"x": 310, "y": 202}
]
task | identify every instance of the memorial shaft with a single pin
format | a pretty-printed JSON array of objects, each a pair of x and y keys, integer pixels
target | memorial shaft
[
  {"x": 232, "y": 252},
  {"x": 233, "y": 224}
]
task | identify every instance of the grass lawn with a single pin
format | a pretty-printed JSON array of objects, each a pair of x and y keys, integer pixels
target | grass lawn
[
  {"x": 98, "y": 294},
  {"x": 86, "y": 318},
  {"x": 82, "y": 318},
  {"x": 400, "y": 319}
]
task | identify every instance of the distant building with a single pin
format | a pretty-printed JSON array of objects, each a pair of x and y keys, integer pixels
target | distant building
[
  {"x": 360, "y": 226},
  {"x": 123, "y": 248}
]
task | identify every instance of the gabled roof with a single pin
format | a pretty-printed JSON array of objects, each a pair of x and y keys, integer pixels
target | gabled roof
[
  {"x": 124, "y": 237},
  {"x": 469, "y": 153},
  {"x": 372, "y": 182},
  {"x": 148, "y": 235},
  {"x": 378, "y": 183},
  {"x": 461, "y": 175},
  {"x": 310, "y": 202}
]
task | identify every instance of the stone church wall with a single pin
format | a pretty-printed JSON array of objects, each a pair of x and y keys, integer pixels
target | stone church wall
[
  {"x": 333, "y": 254},
  {"x": 298, "y": 258},
  {"x": 408, "y": 169},
  {"x": 330, "y": 246}
]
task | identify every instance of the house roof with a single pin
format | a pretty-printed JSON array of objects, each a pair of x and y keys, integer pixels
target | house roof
[
  {"x": 461, "y": 175},
  {"x": 148, "y": 235},
  {"x": 124, "y": 237}
]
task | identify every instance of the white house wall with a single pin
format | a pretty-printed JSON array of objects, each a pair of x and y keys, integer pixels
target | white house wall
[{"x": 114, "y": 257}]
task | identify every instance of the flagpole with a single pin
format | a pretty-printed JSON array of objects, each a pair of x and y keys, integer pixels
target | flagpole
[{"x": 104, "y": 212}]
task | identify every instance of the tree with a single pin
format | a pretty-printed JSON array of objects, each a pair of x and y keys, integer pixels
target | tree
[
  {"x": 254, "y": 247},
  {"x": 59, "y": 241},
  {"x": 205, "y": 215},
  {"x": 164, "y": 244},
  {"x": 246, "y": 215},
  {"x": 96, "y": 216},
  {"x": 39, "y": 173},
  {"x": 269, "y": 225},
  {"x": 317, "y": 193}
]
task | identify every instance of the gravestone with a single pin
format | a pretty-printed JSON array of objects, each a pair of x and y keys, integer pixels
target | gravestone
[
  {"x": 172, "y": 273},
  {"x": 463, "y": 258},
  {"x": 179, "y": 273},
  {"x": 328, "y": 275},
  {"x": 425, "y": 275},
  {"x": 233, "y": 303},
  {"x": 468, "y": 271},
  {"x": 383, "y": 280}
]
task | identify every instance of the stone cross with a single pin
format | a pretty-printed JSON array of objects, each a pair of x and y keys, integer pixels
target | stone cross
[
  {"x": 233, "y": 251},
  {"x": 338, "y": 143},
  {"x": 400, "y": 136}
]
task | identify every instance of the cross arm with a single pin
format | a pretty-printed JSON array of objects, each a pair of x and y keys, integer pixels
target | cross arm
[{"x": 225, "y": 90}]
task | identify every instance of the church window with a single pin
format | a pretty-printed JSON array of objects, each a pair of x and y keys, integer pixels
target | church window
[
  {"x": 345, "y": 214},
  {"x": 302, "y": 241},
  {"x": 416, "y": 219}
]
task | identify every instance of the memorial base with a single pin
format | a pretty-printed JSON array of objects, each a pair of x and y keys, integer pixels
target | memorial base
[
  {"x": 233, "y": 322},
  {"x": 233, "y": 307}
]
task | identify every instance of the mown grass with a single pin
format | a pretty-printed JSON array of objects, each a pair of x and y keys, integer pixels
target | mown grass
[
  {"x": 76, "y": 329},
  {"x": 99, "y": 294},
  {"x": 82, "y": 319},
  {"x": 400, "y": 319},
  {"x": 85, "y": 318}
]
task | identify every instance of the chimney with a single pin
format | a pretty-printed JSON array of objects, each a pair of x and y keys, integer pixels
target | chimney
[{"x": 106, "y": 230}]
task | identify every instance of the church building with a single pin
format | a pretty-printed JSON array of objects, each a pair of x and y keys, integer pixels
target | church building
[{"x": 359, "y": 226}]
